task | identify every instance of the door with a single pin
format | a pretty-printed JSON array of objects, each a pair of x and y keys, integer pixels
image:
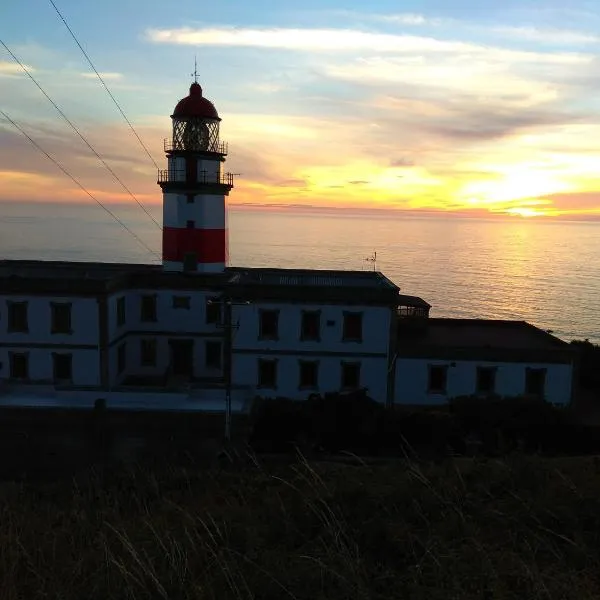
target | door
[{"x": 182, "y": 357}]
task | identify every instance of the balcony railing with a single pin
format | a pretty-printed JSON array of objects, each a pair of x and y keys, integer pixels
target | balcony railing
[
  {"x": 180, "y": 176},
  {"x": 215, "y": 147}
]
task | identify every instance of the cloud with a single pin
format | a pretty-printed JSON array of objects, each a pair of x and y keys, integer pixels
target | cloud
[
  {"x": 402, "y": 162},
  {"x": 413, "y": 19},
  {"x": 547, "y": 36},
  {"x": 106, "y": 76},
  {"x": 305, "y": 40},
  {"x": 8, "y": 69}
]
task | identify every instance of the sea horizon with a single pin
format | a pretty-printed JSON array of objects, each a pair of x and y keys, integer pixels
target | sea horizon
[{"x": 544, "y": 271}]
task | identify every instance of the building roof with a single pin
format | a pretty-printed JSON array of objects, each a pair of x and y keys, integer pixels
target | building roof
[
  {"x": 195, "y": 105},
  {"x": 67, "y": 278},
  {"x": 313, "y": 285},
  {"x": 311, "y": 278},
  {"x": 413, "y": 301},
  {"x": 482, "y": 339}
]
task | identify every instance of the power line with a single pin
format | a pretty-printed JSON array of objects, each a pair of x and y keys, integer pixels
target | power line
[
  {"x": 104, "y": 84},
  {"x": 62, "y": 114},
  {"x": 17, "y": 126}
]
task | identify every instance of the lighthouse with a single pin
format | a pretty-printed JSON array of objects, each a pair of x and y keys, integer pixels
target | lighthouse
[{"x": 194, "y": 189}]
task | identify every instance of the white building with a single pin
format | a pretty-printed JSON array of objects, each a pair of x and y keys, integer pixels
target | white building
[{"x": 189, "y": 333}]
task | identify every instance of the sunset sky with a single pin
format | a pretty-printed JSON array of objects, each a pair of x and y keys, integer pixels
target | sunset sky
[{"x": 455, "y": 105}]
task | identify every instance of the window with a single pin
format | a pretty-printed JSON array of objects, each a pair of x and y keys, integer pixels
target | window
[
  {"x": 213, "y": 355},
  {"x": 148, "y": 308},
  {"x": 61, "y": 317},
  {"x": 309, "y": 374},
  {"x": 121, "y": 358},
  {"x": 190, "y": 261},
  {"x": 350, "y": 375},
  {"x": 191, "y": 224},
  {"x": 267, "y": 373},
  {"x": 438, "y": 375},
  {"x": 352, "y": 327},
  {"x": 213, "y": 311},
  {"x": 268, "y": 324},
  {"x": 63, "y": 367},
  {"x": 148, "y": 353},
  {"x": 311, "y": 325},
  {"x": 181, "y": 302},
  {"x": 121, "y": 311},
  {"x": 17, "y": 317},
  {"x": 486, "y": 380},
  {"x": 19, "y": 365},
  {"x": 190, "y": 198},
  {"x": 535, "y": 382}
]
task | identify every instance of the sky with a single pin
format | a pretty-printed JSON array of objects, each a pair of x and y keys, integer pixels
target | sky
[{"x": 469, "y": 107}]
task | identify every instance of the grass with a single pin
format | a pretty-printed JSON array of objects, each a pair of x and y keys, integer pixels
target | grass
[{"x": 524, "y": 527}]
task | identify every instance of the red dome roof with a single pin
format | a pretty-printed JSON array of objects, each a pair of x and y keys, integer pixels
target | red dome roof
[{"x": 195, "y": 105}]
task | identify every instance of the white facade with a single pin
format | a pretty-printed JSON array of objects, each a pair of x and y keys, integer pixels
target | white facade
[
  {"x": 329, "y": 350},
  {"x": 39, "y": 343},
  {"x": 413, "y": 380},
  {"x": 109, "y": 336}
]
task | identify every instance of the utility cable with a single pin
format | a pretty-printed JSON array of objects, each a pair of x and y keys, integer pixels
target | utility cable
[
  {"x": 17, "y": 126},
  {"x": 62, "y": 114},
  {"x": 104, "y": 84}
]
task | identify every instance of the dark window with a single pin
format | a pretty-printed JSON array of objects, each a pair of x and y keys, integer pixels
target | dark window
[
  {"x": 213, "y": 311},
  {"x": 17, "y": 317},
  {"x": 190, "y": 261},
  {"x": 352, "y": 327},
  {"x": 19, "y": 365},
  {"x": 190, "y": 198},
  {"x": 63, "y": 367},
  {"x": 350, "y": 375},
  {"x": 148, "y": 308},
  {"x": 213, "y": 355},
  {"x": 121, "y": 358},
  {"x": 61, "y": 317},
  {"x": 267, "y": 373},
  {"x": 486, "y": 380},
  {"x": 181, "y": 302},
  {"x": 121, "y": 311},
  {"x": 535, "y": 382},
  {"x": 309, "y": 374},
  {"x": 191, "y": 224},
  {"x": 148, "y": 353},
  {"x": 438, "y": 375},
  {"x": 268, "y": 325},
  {"x": 311, "y": 325}
]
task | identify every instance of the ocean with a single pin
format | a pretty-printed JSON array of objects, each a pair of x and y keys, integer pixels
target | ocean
[{"x": 545, "y": 272}]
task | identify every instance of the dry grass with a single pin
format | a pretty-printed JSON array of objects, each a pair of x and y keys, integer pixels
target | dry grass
[{"x": 524, "y": 527}]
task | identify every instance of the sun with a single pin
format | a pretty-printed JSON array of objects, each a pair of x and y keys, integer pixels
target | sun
[{"x": 525, "y": 212}]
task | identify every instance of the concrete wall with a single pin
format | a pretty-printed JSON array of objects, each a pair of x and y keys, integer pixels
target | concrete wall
[{"x": 412, "y": 380}]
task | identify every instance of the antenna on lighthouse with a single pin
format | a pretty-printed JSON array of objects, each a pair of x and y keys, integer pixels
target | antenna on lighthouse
[
  {"x": 195, "y": 73},
  {"x": 372, "y": 259}
]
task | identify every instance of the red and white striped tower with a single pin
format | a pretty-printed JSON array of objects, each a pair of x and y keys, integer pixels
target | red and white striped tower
[{"x": 195, "y": 189}]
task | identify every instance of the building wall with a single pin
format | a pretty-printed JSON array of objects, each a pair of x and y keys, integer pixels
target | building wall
[
  {"x": 412, "y": 380},
  {"x": 171, "y": 324},
  {"x": 40, "y": 343},
  {"x": 207, "y": 210},
  {"x": 84, "y": 321},
  {"x": 376, "y": 328},
  {"x": 168, "y": 319},
  {"x": 330, "y": 351},
  {"x": 245, "y": 375}
]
